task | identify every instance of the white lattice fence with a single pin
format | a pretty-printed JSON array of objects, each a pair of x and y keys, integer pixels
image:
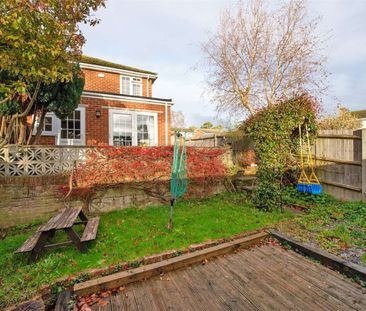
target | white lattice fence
[{"x": 40, "y": 160}]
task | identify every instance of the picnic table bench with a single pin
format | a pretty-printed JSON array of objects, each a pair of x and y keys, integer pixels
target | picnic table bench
[{"x": 64, "y": 220}]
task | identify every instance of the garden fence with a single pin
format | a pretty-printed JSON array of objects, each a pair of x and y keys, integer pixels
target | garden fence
[
  {"x": 341, "y": 162},
  {"x": 214, "y": 141}
]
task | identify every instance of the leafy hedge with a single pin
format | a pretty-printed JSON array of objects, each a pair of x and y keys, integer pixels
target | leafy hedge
[{"x": 275, "y": 133}]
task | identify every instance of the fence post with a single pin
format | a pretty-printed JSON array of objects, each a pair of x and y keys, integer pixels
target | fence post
[{"x": 363, "y": 163}]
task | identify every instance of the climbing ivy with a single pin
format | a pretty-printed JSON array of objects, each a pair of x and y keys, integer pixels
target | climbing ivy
[{"x": 274, "y": 131}]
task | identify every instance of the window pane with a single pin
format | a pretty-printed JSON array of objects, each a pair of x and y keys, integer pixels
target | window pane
[
  {"x": 136, "y": 89},
  {"x": 77, "y": 125},
  {"x": 70, "y": 134},
  {"x": 64, "y": 123},
  {"x": 48, "y": 127},
  {"x": 77, "y": 115},
  {"x": 47, "y": 124},
  {"x": 125, "y": 85},
  {"x": 122, "y": 129},
  {"x": 63, "y": 133},
  {"x": 70, "y": 124},
  {"x": 145, "y": 130}
]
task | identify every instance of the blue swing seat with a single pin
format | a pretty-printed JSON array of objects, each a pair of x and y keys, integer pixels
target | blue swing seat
[
  {"x": 316, "y": 189},
  {"x": 310, "y": 188}
]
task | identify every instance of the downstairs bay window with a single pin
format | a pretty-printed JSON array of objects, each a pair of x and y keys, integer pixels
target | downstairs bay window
[{"x": 132, "y": 128}]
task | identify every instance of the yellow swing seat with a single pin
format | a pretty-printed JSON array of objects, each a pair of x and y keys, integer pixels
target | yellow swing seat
[{"x": 307, "y": 184}]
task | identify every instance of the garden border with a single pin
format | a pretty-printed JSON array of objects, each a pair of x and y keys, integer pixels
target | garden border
[{"x": 327, "y": 259}]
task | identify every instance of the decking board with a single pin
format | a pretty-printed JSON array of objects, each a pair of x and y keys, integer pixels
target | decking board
[{"x": 262, "y": 278}]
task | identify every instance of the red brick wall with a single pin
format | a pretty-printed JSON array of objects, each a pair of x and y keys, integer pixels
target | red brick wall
[
  {"x": 147, "y": 87},
  {"x": 97, "y": 129},
  {"x": 47, "y": 140},
  {"x": 110, "y": 83}
]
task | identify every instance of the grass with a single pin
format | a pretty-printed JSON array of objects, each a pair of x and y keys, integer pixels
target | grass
[
  {"x": 127, "y": 235},
  {"x": 330, "y": 224}
]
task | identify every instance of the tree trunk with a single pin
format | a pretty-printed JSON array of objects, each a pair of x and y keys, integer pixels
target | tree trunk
[
  {"x": 2, "y": 126},
  {"x": 14, "y": 120},
  {"x": 35, "y": 138},
  {"x": 22, "y": 130},
  {"x": 30, "y": 134}
]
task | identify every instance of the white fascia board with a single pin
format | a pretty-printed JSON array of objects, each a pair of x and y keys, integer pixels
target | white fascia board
[
  {"x": 119, "y": 71},
  {"x": 126, "y": 98}
]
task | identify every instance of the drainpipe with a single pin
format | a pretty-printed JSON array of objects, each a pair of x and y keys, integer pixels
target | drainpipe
[{"x": 166, "y": 124}]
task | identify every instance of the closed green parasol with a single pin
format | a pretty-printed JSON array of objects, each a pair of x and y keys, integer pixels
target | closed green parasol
[{"x": 178, "y": 183}]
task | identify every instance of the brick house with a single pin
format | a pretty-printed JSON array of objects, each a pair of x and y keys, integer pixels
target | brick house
[{"x": 117, "y": 108}]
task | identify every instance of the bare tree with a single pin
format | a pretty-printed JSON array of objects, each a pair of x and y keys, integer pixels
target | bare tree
[
  {"x": 259, "y": 55},
  {"x": 178, "y": 119}
]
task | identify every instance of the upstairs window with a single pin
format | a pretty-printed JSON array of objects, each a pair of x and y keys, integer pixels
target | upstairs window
[
  {"x": 136, "y": 86},
  {"x": 131, "y": 86},
  {"x": 125, "y": 85}
]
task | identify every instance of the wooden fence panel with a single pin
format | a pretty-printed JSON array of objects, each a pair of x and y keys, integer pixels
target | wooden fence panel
[
  {"x": 340, "y": 162},
  {"x": 214, "y": 141}
]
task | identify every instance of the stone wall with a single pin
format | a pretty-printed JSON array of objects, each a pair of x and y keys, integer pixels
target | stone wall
[
  {"x": 24, "y": 200},
  {"x": 27, "y": 199}
]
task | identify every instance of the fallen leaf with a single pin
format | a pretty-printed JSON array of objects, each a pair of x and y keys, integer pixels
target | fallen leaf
[{"x": 103, "y": 303}]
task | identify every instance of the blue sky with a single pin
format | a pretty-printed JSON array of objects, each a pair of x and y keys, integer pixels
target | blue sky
[{"x": 165, "y": 36}]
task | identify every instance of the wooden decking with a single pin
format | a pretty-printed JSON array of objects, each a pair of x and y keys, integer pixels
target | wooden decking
[{"x": 262, "y": 278}]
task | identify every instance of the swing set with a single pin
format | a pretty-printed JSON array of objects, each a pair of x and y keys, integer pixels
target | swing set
[{"x": 307, "y": 183}]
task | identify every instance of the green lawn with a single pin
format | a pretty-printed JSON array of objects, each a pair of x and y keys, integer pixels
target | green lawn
[
  {"x": 127, "y": 235},
  {"x": 336, "y": 226}
]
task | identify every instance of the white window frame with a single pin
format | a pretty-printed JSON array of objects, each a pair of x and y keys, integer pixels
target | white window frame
[
  {"x": 77, "y": 142},
  {"x": 138, "y": 81},
  {"x": 54, "y": 126},
  {"x": 56, "y": 129},
  {"x": 134, "y": 114},
  {"x": 121, "y": 79},
  {"x": 110, "y": 121}
]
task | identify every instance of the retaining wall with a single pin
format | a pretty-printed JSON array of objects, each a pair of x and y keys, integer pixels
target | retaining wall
[{"x": 24, "y": 200}]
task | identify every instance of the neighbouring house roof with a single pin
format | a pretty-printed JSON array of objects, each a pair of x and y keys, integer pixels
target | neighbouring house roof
[
  {"x": 359, "y": 113},
  {"x": 100, "y": 62},
  {"x": 205, "y": 133}
]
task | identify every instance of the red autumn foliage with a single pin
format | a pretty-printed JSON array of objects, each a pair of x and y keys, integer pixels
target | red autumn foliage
[{"x": 110, "y": 165}]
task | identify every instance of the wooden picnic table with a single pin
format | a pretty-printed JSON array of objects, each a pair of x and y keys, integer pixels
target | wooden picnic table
[{"x": 64, "y": 220}]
